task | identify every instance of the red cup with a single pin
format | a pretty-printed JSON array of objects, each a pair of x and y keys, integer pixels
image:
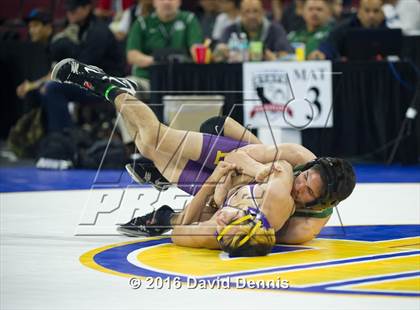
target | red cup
[{"x": 200, "y": 51}]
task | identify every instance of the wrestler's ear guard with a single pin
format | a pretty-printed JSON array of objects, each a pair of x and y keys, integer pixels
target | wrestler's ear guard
[
  {"x": 230, "y": 226},
  {"x": 248, "y": 236},
  {"x": 251, "y": 233},
  {"x": 338, "y": 177}
]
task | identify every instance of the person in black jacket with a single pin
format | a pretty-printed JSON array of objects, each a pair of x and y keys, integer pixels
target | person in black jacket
[
  {"x": 40, "y": 30},
  {"x": 369, "y": 16},
  {"x": 88, "y": 39}
]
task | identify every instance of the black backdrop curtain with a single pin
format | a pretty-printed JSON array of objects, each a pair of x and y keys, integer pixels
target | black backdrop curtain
[
  {"x": 215, "y": 79},
  {"x": 369, "y": 100},
  {"x": 18, "y": 61},
  {"x": 369, "y": 108}
]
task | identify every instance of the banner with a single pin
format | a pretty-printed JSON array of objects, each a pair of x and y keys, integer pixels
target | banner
[{"x": 288, "y": 94}]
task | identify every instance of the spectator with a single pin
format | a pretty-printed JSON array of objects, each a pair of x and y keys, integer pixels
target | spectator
[
  {"x": 276, "y": 10},
  {"x": 292, "y": 19},
  {"x": 162, "y": 32},
  {"x": 403, "y": 14},
  {"x": 257, "y": 28},
  {"x": 337, "y": 9},
  {"x": 39, "y": 25},
  {"x": 89, "y": 39},
  {"x": 122, "y": 27},
  {"x": 369, "y": 15},
  {"x": 229, "y": 15},
  {"x": 105, "y": 9},
  {"x": 40, "y": 31},
  {"x": 317, "y": 16},
  {"x": 207, "y": 18},
  {"x": 92, "y": 42}
]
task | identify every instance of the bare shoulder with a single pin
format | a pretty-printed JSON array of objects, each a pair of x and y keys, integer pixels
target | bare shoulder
[{"x": 300, "y": 229}]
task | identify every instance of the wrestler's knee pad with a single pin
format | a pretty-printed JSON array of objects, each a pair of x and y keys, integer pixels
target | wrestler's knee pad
[{"x": 214, "y": 125}]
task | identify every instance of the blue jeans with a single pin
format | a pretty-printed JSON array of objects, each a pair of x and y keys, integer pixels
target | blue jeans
[{"x": 55, "y": 99}]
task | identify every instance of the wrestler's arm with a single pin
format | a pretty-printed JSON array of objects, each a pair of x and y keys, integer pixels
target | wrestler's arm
[
  {"x": 222, "y": 189},
  {"x": 277, "y": 203},
  {"x": 245, "y": 163},
  {"x": 196, "y": 235},
  {"x": 251, "y": 158},
  {"x": 191, "y": 233},
  {"x": 294, "y": 154},
  {"x": 300, "y": 229},
  {"x": 194, "y": 209},
  {"x": 248, "y": 166}
]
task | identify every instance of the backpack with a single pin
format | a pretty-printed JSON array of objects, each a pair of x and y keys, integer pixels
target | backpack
[
  {"x": 25, "y": 135},
  {"x": 79, "y": 148},
  {"x": 116, "y": 156},
  {"x": 56, "y": 148}
]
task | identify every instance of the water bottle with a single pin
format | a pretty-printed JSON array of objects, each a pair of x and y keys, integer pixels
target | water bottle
[
  {"x": 234, "y": 48},
  {"x": 244, "y": 46}
]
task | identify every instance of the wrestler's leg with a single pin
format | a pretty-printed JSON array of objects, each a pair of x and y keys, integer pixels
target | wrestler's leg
[
  {"x": 228, "y": 127},
  {"x": 131, "y": 129},
  {"x": 152, "y": 135},
  {"x": 153, "y": 139},
  {"x": 188, "y": 175},
  {"x": 155, "y": 135},
  {"x": 119, "y": 91},
  {"x": 169, "y": 166}
]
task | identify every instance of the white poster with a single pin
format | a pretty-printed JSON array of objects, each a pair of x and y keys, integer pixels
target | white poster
[{"x": 288, "y": 94}]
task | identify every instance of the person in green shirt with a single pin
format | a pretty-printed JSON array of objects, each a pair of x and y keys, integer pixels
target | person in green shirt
[
  {"x": 166, "y": 28},
  {"x": 317, "y": 15}
]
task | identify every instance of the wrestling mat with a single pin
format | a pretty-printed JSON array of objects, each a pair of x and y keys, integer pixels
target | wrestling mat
[
  {"x": 367, "y": 260},
  {"x": 59, "y": 250}
]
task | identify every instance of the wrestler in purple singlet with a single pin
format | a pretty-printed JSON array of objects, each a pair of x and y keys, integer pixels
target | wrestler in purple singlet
[{"x": 197, "y": 172}]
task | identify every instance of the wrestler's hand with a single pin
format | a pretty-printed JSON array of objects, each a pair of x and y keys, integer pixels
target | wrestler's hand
[
  {"x": 267, "y": 170},
  {"x": 221, "y": 170},
  {"x": 263, "y": 174},
  {"x": 222, "y": 188}
]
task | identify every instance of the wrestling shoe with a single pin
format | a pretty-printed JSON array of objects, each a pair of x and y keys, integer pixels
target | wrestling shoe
[
  {"x": 91, "y": 78},
  {"x": 152, "y": 224},
  {"x": 145, "y": 172}
]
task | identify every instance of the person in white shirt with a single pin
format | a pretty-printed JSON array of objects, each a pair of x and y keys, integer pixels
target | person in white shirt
[
  {"x": 404, "y": 14},
  {"x": 229, "y": 15}
]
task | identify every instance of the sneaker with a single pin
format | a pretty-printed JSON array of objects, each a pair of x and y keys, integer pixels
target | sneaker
[
  {"x": 146, "y": 173},
  {"x": 146, "y": 225},
  {"x": 90, "y": 77}
]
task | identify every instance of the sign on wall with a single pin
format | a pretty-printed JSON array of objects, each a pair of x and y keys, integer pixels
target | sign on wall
[{"x": 288, "y": 94}]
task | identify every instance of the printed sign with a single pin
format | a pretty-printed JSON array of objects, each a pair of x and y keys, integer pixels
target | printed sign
[{"x": 288, "y": 94}]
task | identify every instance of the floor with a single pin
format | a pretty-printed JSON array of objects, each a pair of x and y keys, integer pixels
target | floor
[{"x": 59, "y": 250}]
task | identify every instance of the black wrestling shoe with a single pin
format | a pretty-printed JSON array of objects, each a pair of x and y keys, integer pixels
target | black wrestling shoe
[
  {"x": 90, "y": 77},
  {"x": 142, "y": 226},
  {"x": 145, "y": 172}
]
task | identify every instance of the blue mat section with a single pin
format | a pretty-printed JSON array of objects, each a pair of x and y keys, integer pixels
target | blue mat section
[
  {"x": 32, "y": 179},
  {"x": 387, "y": 174},
  {"x": 370, "y": 233}
]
